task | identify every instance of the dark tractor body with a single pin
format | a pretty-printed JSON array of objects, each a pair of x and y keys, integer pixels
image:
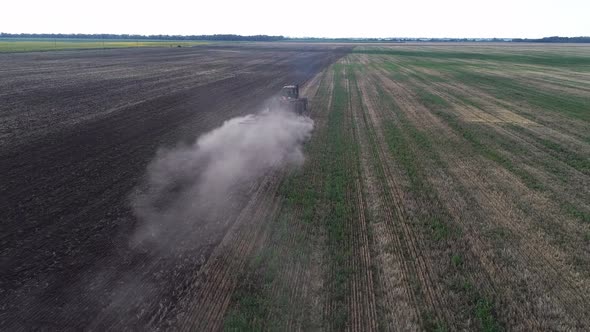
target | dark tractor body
[{"x": 289, "y": 100}]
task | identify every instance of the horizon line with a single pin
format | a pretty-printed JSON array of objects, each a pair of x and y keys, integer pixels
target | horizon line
[{"x": 272, "y": 36}]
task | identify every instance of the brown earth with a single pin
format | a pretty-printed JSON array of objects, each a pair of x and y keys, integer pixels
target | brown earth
[{"x": 77, "y": 130}]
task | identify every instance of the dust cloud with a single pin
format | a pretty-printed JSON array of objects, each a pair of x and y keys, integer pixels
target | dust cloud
[{"x": 190, "y": 190}]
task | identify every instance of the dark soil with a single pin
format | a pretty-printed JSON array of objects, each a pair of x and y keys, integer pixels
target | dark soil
[{"x": 77, "y": 129}]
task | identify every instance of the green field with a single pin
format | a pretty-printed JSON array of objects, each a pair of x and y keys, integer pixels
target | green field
[
  {"x": 446, "y": 188},
  {"x": 31, "y": 45}
]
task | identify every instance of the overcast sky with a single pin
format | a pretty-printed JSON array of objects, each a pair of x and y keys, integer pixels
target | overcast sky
[{"x": 302, "y": 18}]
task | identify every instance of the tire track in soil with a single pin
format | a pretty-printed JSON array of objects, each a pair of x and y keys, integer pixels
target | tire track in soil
[
  {"x": 328, "y": 304},
  {"x": 362, "y": 303},
  {"x": 510, "y": 110},
  {"x": 300, "y": 278},
  {"x": 132, "y": 309},
  {"x": 394, "y": 270},
  {"x": 572, "y": 226},
  {"x": 217, "y": 281},
  {"x": 491, "y": 201},
  {"x": 348, "y": 278},
  {"x": 478, "y": 247},
  {"x": 577, "y": 181},
  {"x": 205, "y": 305},
  {"x": 503, "y": 111},
  {"x": 396, "y": 291},
  {"x": 295, "y": 278},
  {"x": 422, "y": 116},
  {"x": 407, "y": 243}
]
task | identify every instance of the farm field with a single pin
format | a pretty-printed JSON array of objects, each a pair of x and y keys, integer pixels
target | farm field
[
  {"x": 77, "y": 131},
  {"x": 31, "y": 45},
  {"x": 445, "y": 187}
]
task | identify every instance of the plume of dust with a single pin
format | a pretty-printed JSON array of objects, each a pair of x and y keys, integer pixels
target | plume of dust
[{"x": 190, "y": 188}]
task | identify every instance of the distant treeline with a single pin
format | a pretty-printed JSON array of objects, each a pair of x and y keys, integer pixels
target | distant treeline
[
  {"x": 141, "y": 37},
  {"x": 555, "y": 39},
  {"x": 230, "y": 37}
]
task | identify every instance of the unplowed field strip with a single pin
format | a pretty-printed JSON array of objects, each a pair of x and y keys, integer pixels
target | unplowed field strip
[{"x": 495, "y": 190}]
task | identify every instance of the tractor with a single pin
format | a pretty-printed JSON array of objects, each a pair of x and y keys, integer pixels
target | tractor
[{"x": 289, "y": 99}]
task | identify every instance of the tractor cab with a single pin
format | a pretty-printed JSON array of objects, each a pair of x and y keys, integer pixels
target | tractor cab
[
  {"x": 289, "y": 100},
  {"x": 290, "y": 92}
]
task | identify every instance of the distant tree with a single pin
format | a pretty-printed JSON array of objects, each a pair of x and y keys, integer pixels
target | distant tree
[
  {"x": 232, "y": 37},
  {"x": 554, "y": 39},
  {"x": 226, "y": 37}
]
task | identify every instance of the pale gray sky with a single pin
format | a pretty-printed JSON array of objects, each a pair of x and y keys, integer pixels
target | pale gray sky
[{"x": 367, "y": 18}]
